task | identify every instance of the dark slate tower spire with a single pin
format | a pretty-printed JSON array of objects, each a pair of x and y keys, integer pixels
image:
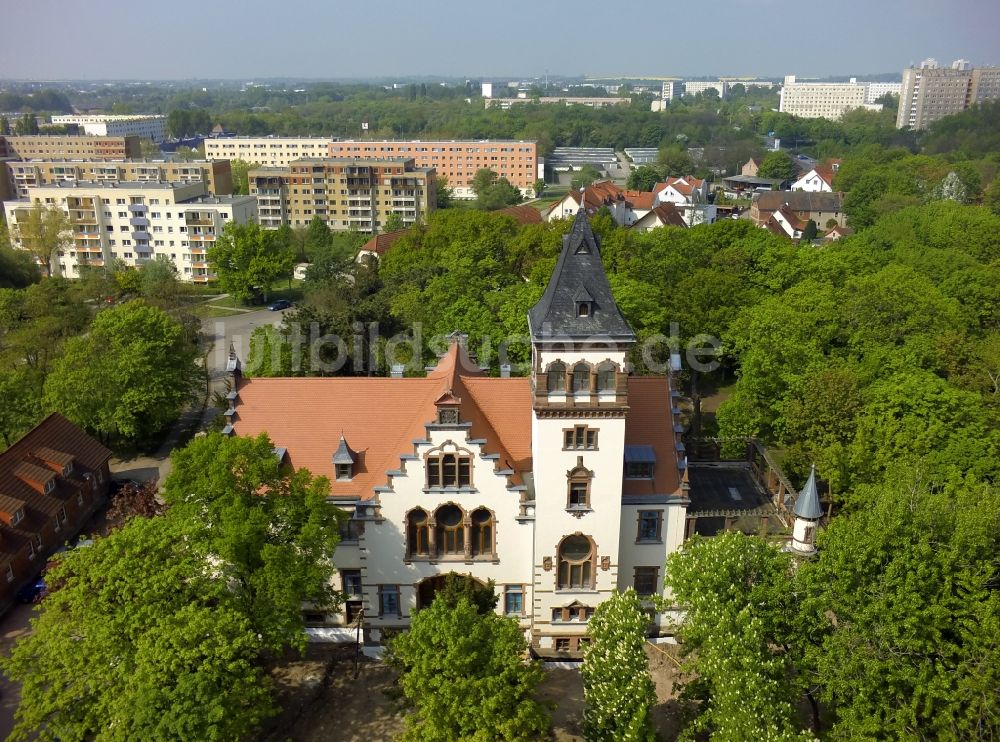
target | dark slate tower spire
[{"x": 577, "y": 303}]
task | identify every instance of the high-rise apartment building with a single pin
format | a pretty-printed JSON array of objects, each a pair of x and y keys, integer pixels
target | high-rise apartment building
[
  {"x": 25, "y": 174},
  {"x": 266, "y": 151},
  {"x": 346, "y": 192},
  {"x": 930, "y": 92},
  {"x": 694, "y": 87},
  {"x": 135, "y": 223},
  {"x": 458, "y": 161},
  {"x": 65, "y": 146},
  {"x": 829, "y": 100},
  {"x": 152, "y": 127}
]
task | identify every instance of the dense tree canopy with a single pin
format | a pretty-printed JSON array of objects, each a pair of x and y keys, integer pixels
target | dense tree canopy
[
  {"x": 249, "y": 259},
  {"x": 161, "y": 630}
]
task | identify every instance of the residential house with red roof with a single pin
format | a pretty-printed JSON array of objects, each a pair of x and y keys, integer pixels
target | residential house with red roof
[
  {"x": 51, "y": 482},
  {"x": 562, "y": 486},
  {"x": 819, "y": 179}
]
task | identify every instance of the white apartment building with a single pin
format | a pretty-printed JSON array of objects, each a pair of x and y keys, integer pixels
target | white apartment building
[
  {"x": 148, "y": 127},
  {"x": 875, "y": 90},
  {"x": 828, "y": 100},
  {"x": 695, "y": 87},
  {"x": 267, "y": 151},
  {"x": 136, "y": 223}
]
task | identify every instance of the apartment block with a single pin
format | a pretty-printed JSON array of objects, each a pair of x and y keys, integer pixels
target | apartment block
[
  {"x": 930, "y": 92},
  {"x": 266, "y": 151},
  {"x": 456, "y": 160},
  {"x": 152, "y": 127},
  {"x": 721, "y": 87},
  {"x": 136, "y": 223},
  {"x": 346, "y": 193},
  {"x": 875, "y": 90},
  {"x": 63, "y": 146},
  {"x": 22, "y": 175},
  {"x": 822, "y": 99}
]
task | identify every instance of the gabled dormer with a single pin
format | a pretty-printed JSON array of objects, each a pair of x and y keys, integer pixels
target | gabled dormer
[
  {"x": 344, "y": 461},
  {"x": 448, "y": 406},
  {"x": 39, "y": 478}
]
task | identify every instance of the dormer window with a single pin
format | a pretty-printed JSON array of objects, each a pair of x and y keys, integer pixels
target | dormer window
[
  {"x": 17, "y": 517},
  {"x": 343, "y": 461},
  {"x": 640, "y": 462},
  {"x": 448, "y": 416},
  {"x": 584, "y": 302},
  {"x": 49, "y": 486},
  {"x": 68, "y": 469},
  {"x": 583, "y": 309}
]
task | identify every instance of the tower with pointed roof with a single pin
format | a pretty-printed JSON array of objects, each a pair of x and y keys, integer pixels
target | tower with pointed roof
[
  {"x": 579, "y": 386},
  {"x": 807, "y": 511}
]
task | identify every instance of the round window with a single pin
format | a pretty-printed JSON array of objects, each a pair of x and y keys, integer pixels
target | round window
[
  {"x": 418, "y": 517},
  {"x": 449, "y": 516},
  {"x": 576, "y": 548},
  {"x": 481, "y": 517}
]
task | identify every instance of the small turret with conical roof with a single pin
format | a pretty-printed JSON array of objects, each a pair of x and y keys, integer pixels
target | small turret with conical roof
[{"x": 807, "y": 511}]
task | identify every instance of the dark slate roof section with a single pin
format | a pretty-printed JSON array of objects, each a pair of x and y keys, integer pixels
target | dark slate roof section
[
  {"x": 640, "y": 454},
  {"x": 579, "y": 272},
  {"x": 807, "y": 505},
  {"x": 344, "y": 454}
]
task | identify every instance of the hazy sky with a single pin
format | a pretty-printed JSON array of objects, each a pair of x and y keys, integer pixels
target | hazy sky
[{"x": 248, "y": 39}]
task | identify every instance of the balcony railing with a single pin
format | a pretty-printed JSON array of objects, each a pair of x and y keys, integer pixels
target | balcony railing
[
  {"x": 139, "y": 221},
  {"x": 138, "y": 208}
]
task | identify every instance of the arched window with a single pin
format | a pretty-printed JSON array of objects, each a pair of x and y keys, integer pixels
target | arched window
[
  {"x": 450, "y": 530},
  {"x": 418, "y": 542},
  {"x": 557, "y": 377},
  {"x": 581, "y": 377},
  {"x": 576, "y": 563},
  {"x": 482, "y": 532},
  {"x": 606, "y": 377}
]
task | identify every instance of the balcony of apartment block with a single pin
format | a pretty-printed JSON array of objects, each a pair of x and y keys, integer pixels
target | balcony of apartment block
[
  {"x": 359, "y": 182},
  {"x": 203, "y": 277},
  {"x": 140, "y": 234},
  {"x": 139, "y": 221},
  {"x": 138, "y": 208},
  {"x": 275, "y": 192},
  {"x": 196, "y": 217},
  {"x": 94, "y": 262},
  {"x": 83, "y": 218},
  {"x": 360, "y": 213}
]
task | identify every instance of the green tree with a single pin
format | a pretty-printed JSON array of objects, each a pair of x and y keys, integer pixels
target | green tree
[
  {"x": 240, "y": 170},
  {"x": 317, "y": 239},
  {"x": 778, "y": 165},
  {"x": 393, "y": 223},
  {"x": 674, "y": 161},
  {"x": 43, "y": 231},
  {"x": 539, "y": 187},
  {"x": 4, "y": 126},
  {"x": 467, "y": 676},
  {"x": 905, "y": 615},
  {"x": 991, "y": 196},
  {"x": 128, "y": 377},
  {"x": 159, "y": 283},
  {"x": 270, "y": 354},
  {"x": 739, "y": 637},
  {"x": 158, "y": 647},
  {"x": 494, "y": 192},
  {"x": 272, "y": 529},
  {"x": 585, "y": 176},
  {"x": 22, "y": 408},
  {"x": 248, "y": 259},
  {"x": 617, "y": 688},
  {"x": 17, "y": 269},
  {"x": 643, "y": 178},
  {"x": 442, "y": 192},
  {"x": 809, "y": 233}
]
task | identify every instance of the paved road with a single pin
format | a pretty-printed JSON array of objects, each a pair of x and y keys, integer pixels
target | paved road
[{"x": 220, "y": 333}]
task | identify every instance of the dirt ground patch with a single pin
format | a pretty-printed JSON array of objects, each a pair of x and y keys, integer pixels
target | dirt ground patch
[{"x": 321, "y": 699}]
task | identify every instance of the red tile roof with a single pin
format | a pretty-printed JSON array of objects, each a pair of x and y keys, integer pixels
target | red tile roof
[
  {"x": 381, "y": 243},
  {"x": 650, "y": 422},
  {"x": 381, "y": 417},
  {"x": 36, "y": 458},
  {"x": 523, "y": 214}
]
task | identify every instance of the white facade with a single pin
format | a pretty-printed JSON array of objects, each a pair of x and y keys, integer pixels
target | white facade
[
  {"x": 813, "y": 182},
  {"x": 267, "y": 151},
  {"x": 148, "y": 127},
  {"x": 821, "y": 99},
  {"x": 695, "y": 87},
  {"x": 671, "y": 89},
  {"x": 875, "y": 90},
  {"x": 562, "y": 487},
  {"x": 136, "y": 223}
]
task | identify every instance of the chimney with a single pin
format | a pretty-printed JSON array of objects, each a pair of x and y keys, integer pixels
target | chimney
[
  {"x": 505, "y": 371},
  {"x": 396, "y": 372}
]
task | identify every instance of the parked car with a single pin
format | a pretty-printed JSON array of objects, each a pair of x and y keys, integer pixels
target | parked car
[
  {"x": 278, "y": 305},
  {"x": 33, "y": 591}
]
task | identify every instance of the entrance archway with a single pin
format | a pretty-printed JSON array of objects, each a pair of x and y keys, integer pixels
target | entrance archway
[{"x": 430, "y": 586}]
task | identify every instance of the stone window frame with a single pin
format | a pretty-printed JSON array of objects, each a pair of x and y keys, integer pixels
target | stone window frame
[
  {"x": 575, "y": 477},
  {"x": 571, "y": 435},
  {"x": 588, "y": 584},
  {"x": 645, "y": 573},
  {"x": 435, "y": 458},
  {"x": 383, "y": 592}
]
